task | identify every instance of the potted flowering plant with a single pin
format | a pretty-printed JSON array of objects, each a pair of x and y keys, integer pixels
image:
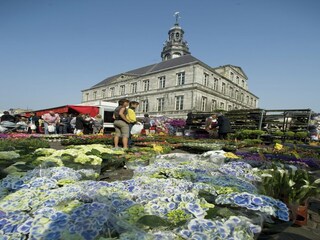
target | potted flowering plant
[{"x": 293, "y": 186}]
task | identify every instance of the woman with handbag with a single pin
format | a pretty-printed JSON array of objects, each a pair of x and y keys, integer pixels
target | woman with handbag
[
  {"x": 51, "y": 120},
  {"x": 33, "y": 123}
]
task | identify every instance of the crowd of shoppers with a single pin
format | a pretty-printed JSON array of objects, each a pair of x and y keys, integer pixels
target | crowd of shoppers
[{"x": 52, "y": 123}]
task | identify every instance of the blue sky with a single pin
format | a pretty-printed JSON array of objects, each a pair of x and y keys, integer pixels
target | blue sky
[{"x": 51, "y": 50}]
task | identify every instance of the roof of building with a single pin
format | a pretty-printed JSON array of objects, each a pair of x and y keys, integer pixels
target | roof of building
[
  {"x": 235, "y": 68},
  {"x": 175, "y": 62}
]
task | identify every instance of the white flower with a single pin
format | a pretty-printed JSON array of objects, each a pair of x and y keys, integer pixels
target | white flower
[
  {"x": 291, "y": 183},
  {"x": 317, "y": 181},
  {"x": 281, "y": 171},
  {"x": 266, "y": 175},
  {"x": 8, "y": 155}
]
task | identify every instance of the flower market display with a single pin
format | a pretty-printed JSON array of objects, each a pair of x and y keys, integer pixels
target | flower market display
[{"x": 212, "y": 195}]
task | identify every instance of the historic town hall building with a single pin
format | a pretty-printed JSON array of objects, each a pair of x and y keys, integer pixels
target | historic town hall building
[{"x": 179, "y": 84}]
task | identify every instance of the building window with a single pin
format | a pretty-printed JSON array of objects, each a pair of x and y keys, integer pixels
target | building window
[
  {"x": 237, "y": 79},
  {"x": 222, "y": 105},
  {"x": 205, "y": 79},
  {"x": 203, "y": 104},
  {"x": 255, "y": 103},
  {"x": 181, "y": 78},
  {"x": 179, "y": 103},
  {"x": 242, "y": 97},
  {"x": 162, "y": 82},
  {"x": 231, "y": 76},
  {"x": 134, "y": 87},
  {"x": 215, "y": 84},
  {"x": 103, "y": 93},
  {"x": 94, "y": 95},
  {"x": 87, "y": 96},
  {"x": 251, "y": 101},
  {"x": 145, "y": 105},
  {"x": 243, "y": 83},
  {"x": 223, "y": 88},
  {"x": 160, "y": 104},
  {"x": 237, "y": 96},
  {"x": 247, "y": 100},
  {"x": 146, "y": 85},
  {"x": 213, "y": 105},
  {"x": 231, "y": 92},
  {"x": 229, "y": 107},
  {"x": 112, "y": 91},
  {"x": 122, "y": 89}
]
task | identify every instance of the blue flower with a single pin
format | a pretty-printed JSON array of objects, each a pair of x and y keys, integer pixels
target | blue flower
[
  {"x": 255, "y": 229},
  {"x": 3, "y": 222},
  {"x": 89, "y": 234},
  {"x": 241, "y": 200},
  {"x": 199, "y": 236},
  {"x": 194, "y": 226},
  {"x": 50, "y": 203},
  {"x": 25, "y": 227},
  {"x": 222, "y": 232},
  {"x": 185, "y": 233},
  {"x": 253, "y": 207},
  {"x": 172, "y": 205},
  {"x": 282, "y": 205},
  {"x": 52, "y": 236},
  {"x": 282, "y": 215},
  {"x": 257, "y": 201},
  {"x": 131, "y": 188},
  {"x": 9, "y": 228}
]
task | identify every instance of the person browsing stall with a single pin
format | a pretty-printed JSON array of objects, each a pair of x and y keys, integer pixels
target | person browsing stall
[
  {"x": 131, "y": 118},
  {"x": 50, "y": 119},
  {"x": 121, "y": 123},
  {"x": 7, "y": 117}
]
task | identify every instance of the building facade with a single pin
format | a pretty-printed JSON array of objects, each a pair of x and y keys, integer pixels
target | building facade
[{"x": 179, "y": 84}]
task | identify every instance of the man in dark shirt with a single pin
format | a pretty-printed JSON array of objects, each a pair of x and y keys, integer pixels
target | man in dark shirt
[
  {"x": 7, "y": 117},
  {"x": 224, "y": 127}
]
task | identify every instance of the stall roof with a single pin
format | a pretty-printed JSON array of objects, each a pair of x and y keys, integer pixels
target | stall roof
[{"x": 91, "y": 110}]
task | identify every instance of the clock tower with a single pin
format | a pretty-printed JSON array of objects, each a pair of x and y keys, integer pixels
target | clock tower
[{"x": 175, "y": 46}]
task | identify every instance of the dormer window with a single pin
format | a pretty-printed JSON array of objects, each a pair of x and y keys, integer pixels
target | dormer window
[{"x": 231, "y": 75}]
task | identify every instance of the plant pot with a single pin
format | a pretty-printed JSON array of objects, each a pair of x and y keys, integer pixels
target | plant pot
[{"x": 301, "y": 215}]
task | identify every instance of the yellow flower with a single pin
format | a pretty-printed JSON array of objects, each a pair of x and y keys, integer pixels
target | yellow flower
[
  {"x": 157, "y": 148},
  {"x": 230, "y": 155},
  {"x": 278, "y": 146}
]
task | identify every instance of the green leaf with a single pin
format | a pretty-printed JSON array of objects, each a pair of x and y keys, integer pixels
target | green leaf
[{"x": 153, "y": 221}]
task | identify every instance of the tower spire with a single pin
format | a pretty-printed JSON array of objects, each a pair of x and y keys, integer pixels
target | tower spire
[{"x": 175, "y": 46}]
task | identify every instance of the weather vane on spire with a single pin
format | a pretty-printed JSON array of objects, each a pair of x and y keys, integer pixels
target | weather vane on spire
[{"x": 177, "y": 16}]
